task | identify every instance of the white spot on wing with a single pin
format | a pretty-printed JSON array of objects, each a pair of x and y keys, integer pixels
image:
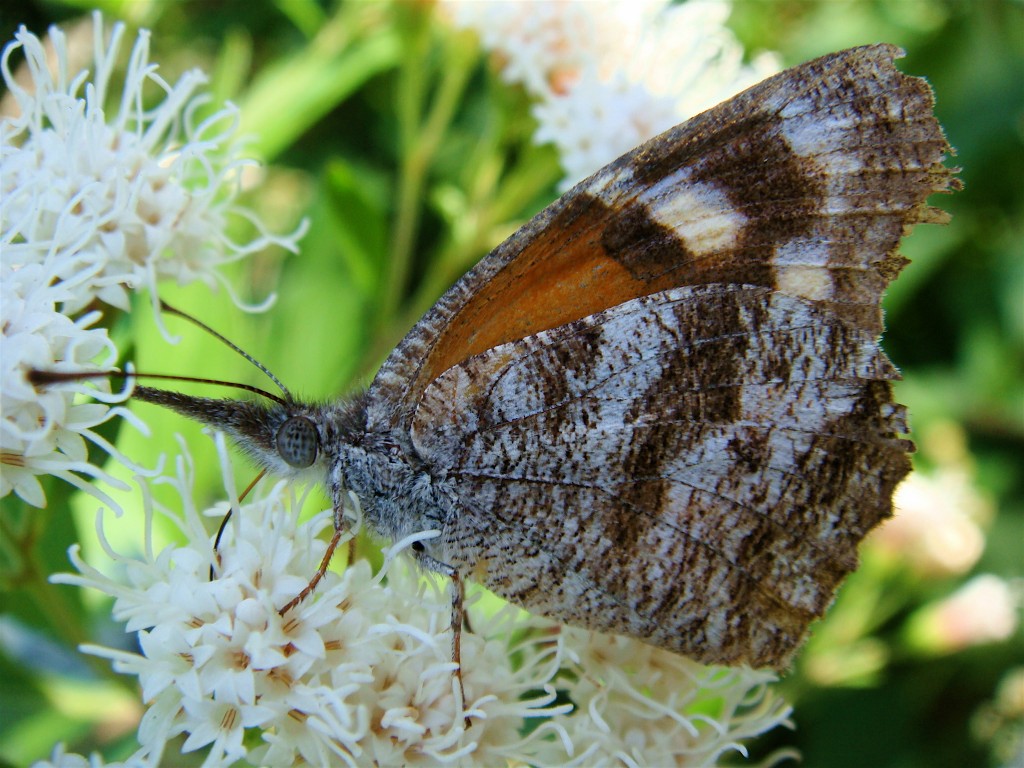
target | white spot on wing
[
  {"x": 698, "y": 212},
  {"x": 824, "y": 136},
  {"x": 812, "y": 283}
]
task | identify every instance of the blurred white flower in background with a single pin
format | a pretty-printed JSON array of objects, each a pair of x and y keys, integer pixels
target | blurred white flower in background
[
  {"x": 608, "y": 76},
  {"x": 935, "y": 529},
  {"x": 940, "y": 515},
  {"x": 984, "y": 610},
  {"x": 61, "y": 758}
]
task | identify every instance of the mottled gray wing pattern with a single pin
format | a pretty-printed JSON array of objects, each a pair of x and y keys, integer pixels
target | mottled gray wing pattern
[{"x": 694, "y": 468}]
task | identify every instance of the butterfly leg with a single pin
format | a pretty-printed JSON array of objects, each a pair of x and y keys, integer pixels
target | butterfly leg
[
  {"x": 458, "y": 614},
  {"x": 324, "y": 564},
  {"x": 458, "y": 617}
]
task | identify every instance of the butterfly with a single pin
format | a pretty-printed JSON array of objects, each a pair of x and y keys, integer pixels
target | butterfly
[{"x": 660, "y": 408}]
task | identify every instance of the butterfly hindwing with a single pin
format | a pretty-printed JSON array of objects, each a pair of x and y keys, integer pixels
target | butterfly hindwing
[{"x": 695, "y": 468}]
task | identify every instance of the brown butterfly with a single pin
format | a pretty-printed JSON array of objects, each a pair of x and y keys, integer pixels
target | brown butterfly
[{"x": 660, "y": 408}]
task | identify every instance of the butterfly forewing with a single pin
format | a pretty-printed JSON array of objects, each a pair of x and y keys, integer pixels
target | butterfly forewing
[
  {"x": 804, "y": 183},
  {"x": 694, "y": 468}
]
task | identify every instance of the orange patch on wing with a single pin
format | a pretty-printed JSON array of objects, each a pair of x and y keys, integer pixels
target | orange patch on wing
[{"x": 562, "y": 275}]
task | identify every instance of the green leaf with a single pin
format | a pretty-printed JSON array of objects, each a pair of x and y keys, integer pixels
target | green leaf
[{"x": 293, "y": 94}]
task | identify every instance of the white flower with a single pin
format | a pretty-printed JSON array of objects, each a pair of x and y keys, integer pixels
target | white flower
[
  {"x": 45, "y": 432},
  {"x": 358, "y": 673},
  {"x": 618, "y": 114},
  {"x": 647, "y": 706},
  {"x": 610, "y": 75},
  {"x": 545, "y": 44},
  {"x": 361, "y": 672},
  {"x": 126, "y": 198}
]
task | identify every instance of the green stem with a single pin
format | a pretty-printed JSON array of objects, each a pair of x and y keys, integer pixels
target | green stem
[
  {"x": 349, "y": 49},
  {"x": 63, "y": 619},
  {"x": 420, "y": 140},
  {"x": 49, "y": 599},
  {"x": 516, "y": 192}
]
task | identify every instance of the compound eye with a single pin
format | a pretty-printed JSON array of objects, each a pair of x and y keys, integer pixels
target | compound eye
[{"x": 298, "y": 442}]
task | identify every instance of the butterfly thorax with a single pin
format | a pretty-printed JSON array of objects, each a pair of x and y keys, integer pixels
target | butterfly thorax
[{"x": 397, "y": 494}]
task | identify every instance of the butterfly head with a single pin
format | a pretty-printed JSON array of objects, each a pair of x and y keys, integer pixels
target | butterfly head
[{"x": 284, "y": 436}]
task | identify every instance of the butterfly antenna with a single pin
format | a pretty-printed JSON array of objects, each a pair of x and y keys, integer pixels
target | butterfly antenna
[
  {"x": 199, "y": 323},
  {"x": 41, "y": 378}
]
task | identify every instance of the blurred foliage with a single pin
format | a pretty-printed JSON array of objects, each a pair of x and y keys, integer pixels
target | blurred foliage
[{"x": 411, "y": 160}]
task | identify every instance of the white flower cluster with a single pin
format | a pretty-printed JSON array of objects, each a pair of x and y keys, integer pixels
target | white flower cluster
[
  {"x": 45, "y": 433},
  {"x": 362, "y": 672},
  {"x": 610, "y": 75},
  {"x": 92, "y": 205},
  {"x": 114, "y": 201},
  {"x": 638, "y": 705}
]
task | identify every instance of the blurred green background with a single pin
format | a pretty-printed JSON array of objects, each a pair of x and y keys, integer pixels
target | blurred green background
[{"x": 411, "y": 159}]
